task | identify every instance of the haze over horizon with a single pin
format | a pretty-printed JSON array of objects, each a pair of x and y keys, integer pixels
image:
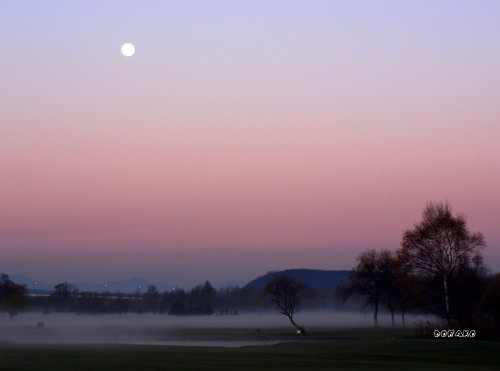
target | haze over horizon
[{"x": 241, "y": 137}]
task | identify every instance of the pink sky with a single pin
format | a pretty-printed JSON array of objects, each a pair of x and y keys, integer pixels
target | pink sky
[{"x": 240, "y": 138}]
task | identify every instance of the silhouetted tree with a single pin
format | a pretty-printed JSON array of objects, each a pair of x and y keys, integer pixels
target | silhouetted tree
[
  {"x": 88, "y": 302},
  {"x": 407, "y": 287},
  {"x": 178, "y": 308},
  {"x": 466, "y": 290},
  {"x": 120, "y": 304},
  {"x": 151, "y": 299},
  {"x": 490, "y": 301},
  {"x": 62, "y": 297},
  {"x": 374, "y": 279},
  {"x": 13, "y": 297},
  {"x": 439, "y": 246},
  {"x": 200, "y": 299},
  {"x": 208, "y": 293},
  {"x": 390, "y": 290},
  {"x": 287, "y": 294}
]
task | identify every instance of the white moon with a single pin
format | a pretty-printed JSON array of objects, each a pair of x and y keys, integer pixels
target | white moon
[{"x": 128, "y": 49}]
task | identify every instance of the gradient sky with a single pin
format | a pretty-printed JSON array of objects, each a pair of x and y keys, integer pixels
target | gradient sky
[{"x": 241, "y": 137}]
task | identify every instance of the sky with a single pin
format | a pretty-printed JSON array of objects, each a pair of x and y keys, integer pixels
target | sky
[{"x": 242, "y": 136}]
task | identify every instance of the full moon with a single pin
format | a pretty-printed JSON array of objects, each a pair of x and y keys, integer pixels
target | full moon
[{"x": 128, "y": 49}]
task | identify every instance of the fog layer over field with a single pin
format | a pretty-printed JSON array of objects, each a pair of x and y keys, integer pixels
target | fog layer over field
[{"x": 238, "y": 330}]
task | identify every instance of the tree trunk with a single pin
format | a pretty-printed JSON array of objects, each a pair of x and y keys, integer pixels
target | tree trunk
[
  {"x": 403, "y": 317},
  {"x": 375, "y": 315},
  {"x": 392, "y": 315},
  {"x": 302, "y": 331},
  {"x": 447, "y": 302}
]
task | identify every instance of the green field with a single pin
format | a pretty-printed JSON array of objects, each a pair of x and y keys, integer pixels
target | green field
[{"x": 354, "y": 349}]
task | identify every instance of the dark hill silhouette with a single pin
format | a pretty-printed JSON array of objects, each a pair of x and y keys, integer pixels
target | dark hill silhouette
[{"x": 315, "y": 278}]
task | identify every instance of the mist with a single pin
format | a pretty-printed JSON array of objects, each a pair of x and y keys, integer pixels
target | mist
[{"x": 149, "y": 329}]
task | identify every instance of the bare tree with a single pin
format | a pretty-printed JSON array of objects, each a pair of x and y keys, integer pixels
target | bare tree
[
  {"x": 287, "y": 294},
  {"x": 407, "y": 288},
  {"x": 374, "y": 280},
  {"x": 439, "y": 246}
]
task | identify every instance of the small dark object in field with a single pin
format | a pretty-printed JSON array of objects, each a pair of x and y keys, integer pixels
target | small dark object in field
[{"x": 40, "y": 324}]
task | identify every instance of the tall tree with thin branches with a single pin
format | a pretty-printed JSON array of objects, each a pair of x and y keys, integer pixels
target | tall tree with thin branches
[
  {"x": 287, "y": 294},
  {"x": 439, "y": 246}
]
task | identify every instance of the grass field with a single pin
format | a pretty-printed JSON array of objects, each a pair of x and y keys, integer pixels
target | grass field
[{"x": 354, "y": 349}]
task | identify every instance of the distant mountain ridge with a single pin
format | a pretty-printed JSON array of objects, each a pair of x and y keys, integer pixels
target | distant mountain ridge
[{"x": 315, "y": 278}]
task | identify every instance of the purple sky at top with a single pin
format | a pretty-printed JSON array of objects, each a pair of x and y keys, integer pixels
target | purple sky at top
[{"x": 241, "y": 137}]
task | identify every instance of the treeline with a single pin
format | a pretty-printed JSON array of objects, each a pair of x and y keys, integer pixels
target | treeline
[
  {"x": 203, "y": 299},
  {"x": 382, "y": 283},
  {"x": 437, "y": 270}
]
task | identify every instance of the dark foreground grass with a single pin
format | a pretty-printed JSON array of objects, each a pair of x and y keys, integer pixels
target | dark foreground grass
[{"x": 355, "y": 352}]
